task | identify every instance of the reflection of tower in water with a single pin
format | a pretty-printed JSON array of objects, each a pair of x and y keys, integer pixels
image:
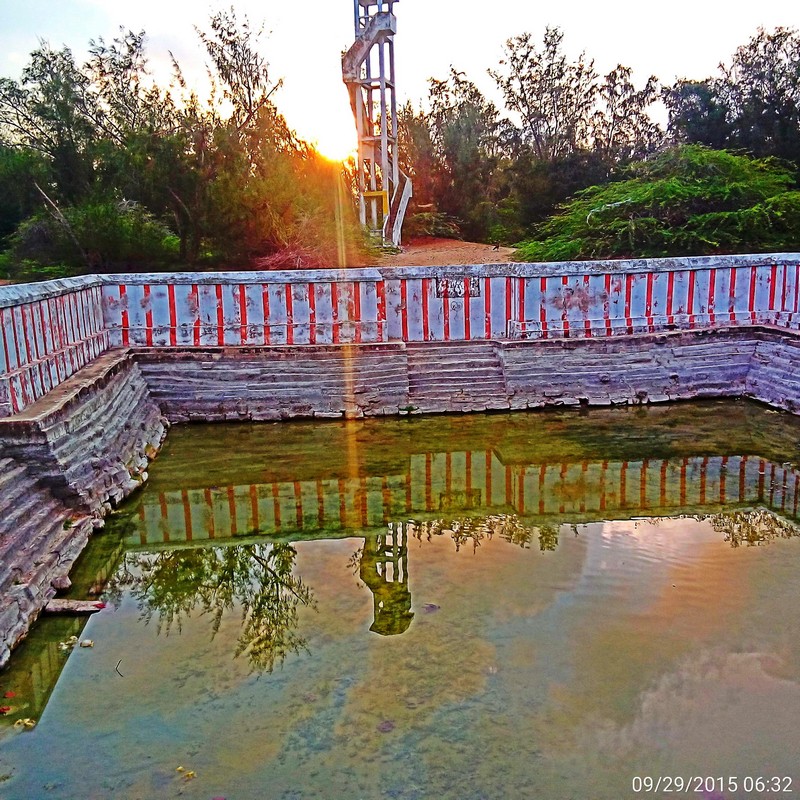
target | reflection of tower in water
[{"x": 384, "y": 569}]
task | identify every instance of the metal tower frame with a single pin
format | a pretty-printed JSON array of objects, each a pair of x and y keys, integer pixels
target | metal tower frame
[{"x": 368, "y": 72}]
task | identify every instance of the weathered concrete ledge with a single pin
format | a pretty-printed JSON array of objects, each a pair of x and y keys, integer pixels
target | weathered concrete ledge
[
  {"x": 273, "y": 383},
  {"x": 64, "y": 462}
]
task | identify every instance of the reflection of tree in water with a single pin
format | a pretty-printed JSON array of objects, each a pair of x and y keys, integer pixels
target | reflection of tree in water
[
  {"x": 753, "y": 527},
  {"x": 473, "y": 530},
  {"x": 256, "y": 577}
]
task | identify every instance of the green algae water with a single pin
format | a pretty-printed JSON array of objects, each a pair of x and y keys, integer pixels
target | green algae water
[{"x": 549, "y": 605}]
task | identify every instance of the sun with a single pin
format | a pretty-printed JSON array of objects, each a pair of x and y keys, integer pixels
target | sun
[{"x": 337, "y": 144}]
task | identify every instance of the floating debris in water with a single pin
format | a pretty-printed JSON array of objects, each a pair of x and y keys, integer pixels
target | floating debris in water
[
  {"x": 87, "y": 643},
  {"x": 386, "y": 726},
  {"x": 25, "y": 723},
  {"x": 10, "y": 694},
  {"x": 430, "y": 608},
  {"x": 68, "y": 644}
]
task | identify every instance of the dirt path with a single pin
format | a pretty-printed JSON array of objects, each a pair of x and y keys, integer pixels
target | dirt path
[{"x": 431, "y": 252}]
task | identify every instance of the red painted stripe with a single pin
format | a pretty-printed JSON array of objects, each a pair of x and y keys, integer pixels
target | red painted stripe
[
  {"x": 124, "y": 320},
  {"x": 712, "y": 288},
  {"x": 564, "y": 320},
  {"x": 43, "y": 329},
  {"x": 289, "y": 300},
  {"x": 690, "y": 298},
  {"x": 670, "y": 298},
  {"x": 380, "y": 291},
  {"x": 751, "y": 307},
  {"x": 256, "y": 522},
  {"x": 265, "y": 301},
  {"x": 488, "y": 308},
  {"x": 173, "y": 316},
  {"x": 56, "y": 344},
  {"x": 14, "y": 401},
  {"x": 212, "y": 528},
  {"x": 232, "y": 511},
  {"x": 26, "y": 335},
  {"x": 783, "y": 288},
  {"x": 509, "y": 292},
  {"x": 662, "y": 488},
  {"x": 628, "y": 293},
  {"x": 762, "y": 468},
  {"x": 732, "y": 296},
  {"x": 587, "y": 324},
  {"x": 703, "y": 475},
  {"x": 543, "y": 307},
  {"x": 187, "y": 514},
  {"x": 148, "y": 316},
  {"x": 773, "y": 278},
  {"x": 446, "y": 318},
  {"x": 243, "y": 313},
  {"x": 362, "y": 501},
  {"x": 195, "y": 294},
  {"x": 335, "y": 312},
  {"x": 607, "y": 303},
  {"x": 220, "y": 316},
  {"x": 404, "y": 309},
  {"x": 467, "y": 330},
  {"x": 426, "y": 331},
  {"x": 357, "y": 310},
  {"x": 312, "y": 314},
  {"x": 795, "y": 309}
]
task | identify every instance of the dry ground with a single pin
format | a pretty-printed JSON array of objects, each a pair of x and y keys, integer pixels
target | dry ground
[{"x": 431, "y": 252}]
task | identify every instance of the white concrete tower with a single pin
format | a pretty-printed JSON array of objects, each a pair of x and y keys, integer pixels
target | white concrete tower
[{"x": 368, "y": 71}]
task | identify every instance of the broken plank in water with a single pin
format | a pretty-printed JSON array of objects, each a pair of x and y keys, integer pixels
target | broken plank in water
[{"x": 62, "y": 606}]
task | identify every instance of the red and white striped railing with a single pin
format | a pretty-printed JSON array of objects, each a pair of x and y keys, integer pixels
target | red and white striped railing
[{"x": 49, "y": 330}]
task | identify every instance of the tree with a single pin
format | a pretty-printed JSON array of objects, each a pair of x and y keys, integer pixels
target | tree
[
  {"x": 554, "y": 98},
  {"x": 688, "y": 200},
  {"x": 753, "y": 104}
]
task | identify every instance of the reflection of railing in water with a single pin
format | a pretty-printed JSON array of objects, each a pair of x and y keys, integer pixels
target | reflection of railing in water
[{"x": 467, "y": 481}]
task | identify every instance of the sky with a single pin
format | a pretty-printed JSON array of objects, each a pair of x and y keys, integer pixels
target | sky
[{"x": 304, "y": 40}]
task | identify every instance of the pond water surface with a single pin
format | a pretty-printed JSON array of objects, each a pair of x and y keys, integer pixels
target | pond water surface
[{"x": 541, "y": 605}]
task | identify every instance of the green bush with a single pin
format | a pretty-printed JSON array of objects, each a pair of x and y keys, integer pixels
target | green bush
[
  {"x": 689, "y": 200},
  {"x": 103, "y": 235}
]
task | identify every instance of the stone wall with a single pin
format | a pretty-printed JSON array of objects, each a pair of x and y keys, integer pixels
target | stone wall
[{"x": 64, "y": 462}]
